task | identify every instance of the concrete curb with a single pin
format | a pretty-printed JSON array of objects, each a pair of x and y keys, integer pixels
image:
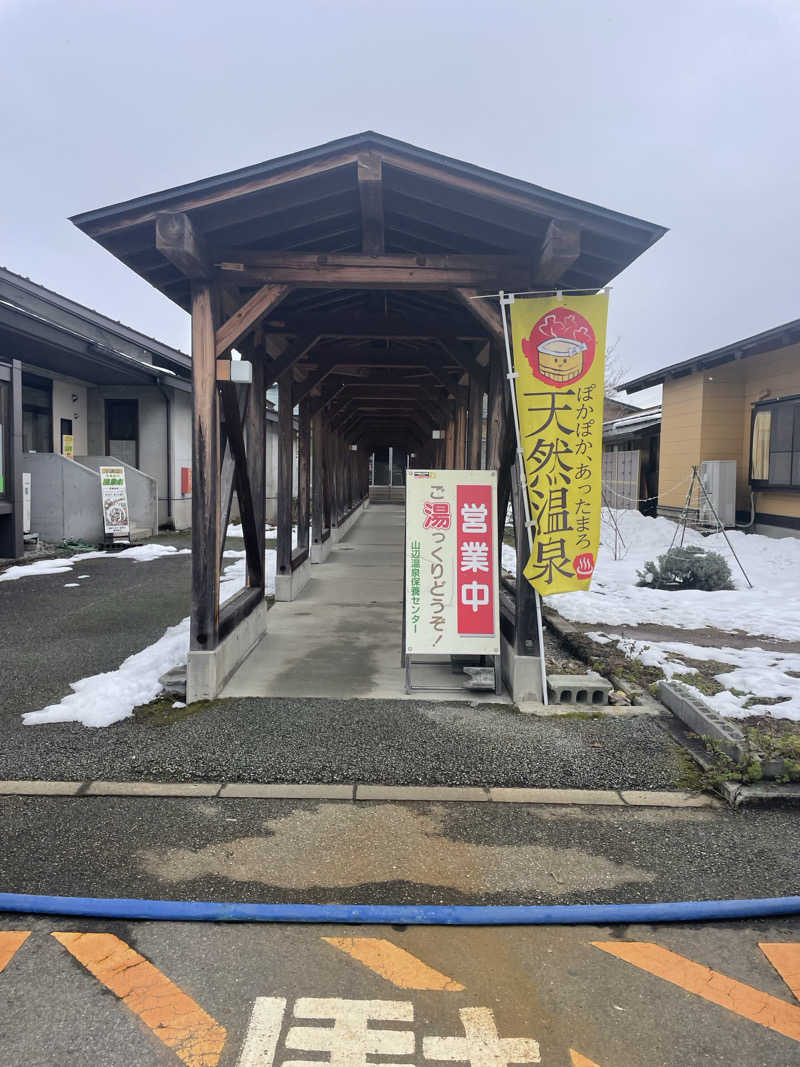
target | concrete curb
[
  {"x": 642, "y": 702},
  {"x": 353, "y": 792}
]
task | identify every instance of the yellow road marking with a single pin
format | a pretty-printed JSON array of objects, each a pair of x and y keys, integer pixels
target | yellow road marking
[
  {"x": 785, "y": 958},
  {"x": 394, "y": 964},
  {"x": 695, "y": 978},
  {"x": 10, "y": 941},
  {"x": 174, "y": 1017},
  {"x": 581, "y": 1061}
]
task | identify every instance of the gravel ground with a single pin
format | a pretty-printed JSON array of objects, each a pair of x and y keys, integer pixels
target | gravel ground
[
  {"x": 313, "y": 740},
  {"x": 94, "y": 847},
  {"x": 51, "y": 636}
]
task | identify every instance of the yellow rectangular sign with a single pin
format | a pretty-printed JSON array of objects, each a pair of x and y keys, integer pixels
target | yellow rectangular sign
[{"x": 559, "y": 357}]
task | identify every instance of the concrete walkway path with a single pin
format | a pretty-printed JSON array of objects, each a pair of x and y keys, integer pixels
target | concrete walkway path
[{"x": 342, "y": 636}]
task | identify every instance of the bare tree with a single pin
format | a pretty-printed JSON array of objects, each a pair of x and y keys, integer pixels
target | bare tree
[{"x": 616, "y": 370}]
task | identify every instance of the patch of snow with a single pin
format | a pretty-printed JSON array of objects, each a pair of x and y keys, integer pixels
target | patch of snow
[
  {"x": 147, "y": 553},
  {"x": 139, "y": 554},
  {"x": 509, "y": 558},
  {"x": 103, "y": 699},
  {"x": 179, "y": 704},
  {"x": 755, "y": 672},
  {"x": 770, "y": 609}
]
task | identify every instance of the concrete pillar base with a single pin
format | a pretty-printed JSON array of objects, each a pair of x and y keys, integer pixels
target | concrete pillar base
[
  {"x": 207, "y": 672},
  {"x": 522, "y": 675},
  {"x": 319, "y": 553},
  {"x": 289, "y": 586}
]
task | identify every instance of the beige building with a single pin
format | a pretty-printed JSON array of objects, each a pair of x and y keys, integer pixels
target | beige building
[{"x": 739, "y": 403}]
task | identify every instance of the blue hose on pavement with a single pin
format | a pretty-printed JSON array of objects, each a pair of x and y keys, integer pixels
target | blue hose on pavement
[{"x": 400, "y": 914}]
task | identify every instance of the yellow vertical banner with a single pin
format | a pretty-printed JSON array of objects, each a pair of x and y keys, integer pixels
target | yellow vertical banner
[{"x": 559, "y": 360}]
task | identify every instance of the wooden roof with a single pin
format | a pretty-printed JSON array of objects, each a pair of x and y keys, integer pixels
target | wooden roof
[
  {"x": 309, "y": 201},
  {"x": 360, "y": 259}
]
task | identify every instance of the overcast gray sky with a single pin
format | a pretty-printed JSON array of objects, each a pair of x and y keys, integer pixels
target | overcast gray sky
[{"x": 684, "y": 114}]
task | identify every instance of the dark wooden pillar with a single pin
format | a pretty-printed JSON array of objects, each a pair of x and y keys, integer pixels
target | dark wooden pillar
[
  {"x": 460, "y": 447},
  {"x": 449, "y": 444},
  {"x": 495, "y": 414},
  {"x": 525, "y": 625},
  {"x": 327, "y": 476},
  {"x": 317, "y": 484},
  {"x": 474, "y": 424},
  {"x": 285, "y": 462},
  {"x": 204, "y": 627},
  {"x": 255, "y": 425},
  {"x": 303, "y": 474}
]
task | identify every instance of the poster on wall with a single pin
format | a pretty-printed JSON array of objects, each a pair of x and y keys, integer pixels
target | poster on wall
[
  {"x": 559, "y": 360},
  {"x": 451, "y": 567},
  {"x": 68, "y": 446},
  {"x": 115, "y": 501}
]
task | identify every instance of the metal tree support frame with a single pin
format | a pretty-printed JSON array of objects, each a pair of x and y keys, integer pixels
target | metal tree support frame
[
  {"x": 346, "y": 273},
  {"x": 684, "y": 519}
]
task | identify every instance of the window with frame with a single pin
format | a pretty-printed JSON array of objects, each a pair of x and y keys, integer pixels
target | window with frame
[{"x": 775, "y": 445}]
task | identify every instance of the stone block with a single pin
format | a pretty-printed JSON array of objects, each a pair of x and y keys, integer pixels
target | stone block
[{"x": 583, "y": 690}]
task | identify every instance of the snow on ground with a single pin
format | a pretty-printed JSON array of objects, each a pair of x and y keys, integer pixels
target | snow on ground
[
  {"x": 235, "y": 530},
  {"x": 103, "y": 699},
  {"x": 755, "y": 673},
  {"x": 770, "y": 609},
  {"x": 138, "y": 554}
]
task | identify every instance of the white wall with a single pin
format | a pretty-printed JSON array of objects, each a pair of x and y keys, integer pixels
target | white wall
[
  {"x": 69, "y": 402},
  {"x": 181, "y": 457}
]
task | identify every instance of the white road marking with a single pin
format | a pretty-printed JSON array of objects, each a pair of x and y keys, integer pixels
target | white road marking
[
  {"x": 349, "y": 1040},
  {"x": 263, "y": 1032},
  {"x": 481, "y": 1046}
]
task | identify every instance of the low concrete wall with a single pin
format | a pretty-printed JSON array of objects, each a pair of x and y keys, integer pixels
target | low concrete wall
[
  {"x": 65, "y": 498},
  {"x": 142, "y": 492},
  {"x": 207, "y": 672},
  {"x": 289, "y": 586},
  {"x": 522, "y": 674}
]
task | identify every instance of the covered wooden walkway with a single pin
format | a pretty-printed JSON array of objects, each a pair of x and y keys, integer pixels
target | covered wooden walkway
[{"x": 351, "y": 274}]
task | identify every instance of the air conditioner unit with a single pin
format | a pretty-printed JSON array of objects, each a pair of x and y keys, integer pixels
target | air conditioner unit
[{"x": 719, "y": 481}]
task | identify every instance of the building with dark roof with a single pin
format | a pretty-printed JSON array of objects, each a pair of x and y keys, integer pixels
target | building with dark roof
[
  {"x": 77, "y": 390},
  {"x": 739, "y": 404}
]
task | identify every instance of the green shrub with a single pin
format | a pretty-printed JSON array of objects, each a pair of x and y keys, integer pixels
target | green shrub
[{"x": 687, "y": 568}]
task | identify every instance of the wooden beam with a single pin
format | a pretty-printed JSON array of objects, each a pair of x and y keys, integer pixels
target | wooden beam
[
  {"x": 475, "y": 425},
  {"x": 560, "y": 250},
  {"x": 227, "y": 475},
  {"x": 461, "y": 436},
  {"x": 275, "y": 368},
  {"x": 463, "y": 355},
  {"x": 219, "y": 194},
  {"x": 359, "y": 271},
  {"x": 235, "y": 434},
  {"x": 285, "y": 465},
  {"x": 179, "y": 242},
  {"x": 370, "y": 191},
  {"x": 496, "y": 411},
  {"x": 261, "y": 303},
  {"x": 255, "y": 424},
  {"x": 205, "y": 474},
  {"x": 378, "y": 327},
  {"x": 486, "y": 311},
  {"x": 317, "y": 480},
  {"x": 303, "y": 475}
]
